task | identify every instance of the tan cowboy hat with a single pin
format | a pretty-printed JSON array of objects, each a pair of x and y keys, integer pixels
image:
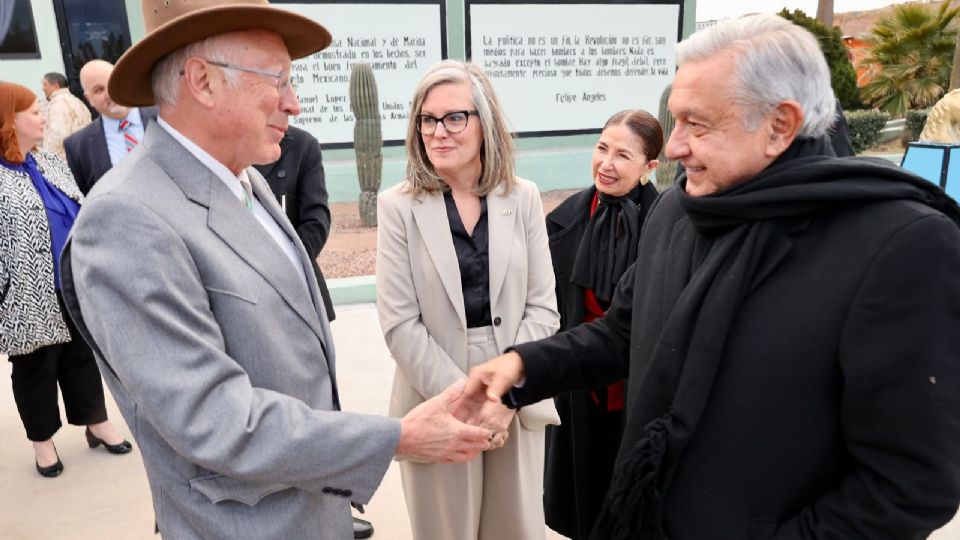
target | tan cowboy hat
[{"x": 172, "y": 24}]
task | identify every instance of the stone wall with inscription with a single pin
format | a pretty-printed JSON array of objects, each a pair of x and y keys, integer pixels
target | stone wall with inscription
[
  {"x": 399, "y": 41},
  {"x": 568, "y": 67}
]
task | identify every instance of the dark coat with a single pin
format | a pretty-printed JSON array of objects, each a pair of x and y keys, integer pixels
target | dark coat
[
  {"x": 833, "y": 414},
  {"x": 298, "y": 182},
  {"x": 87, "y": 153},
  {"x": 581, "y": 450}
]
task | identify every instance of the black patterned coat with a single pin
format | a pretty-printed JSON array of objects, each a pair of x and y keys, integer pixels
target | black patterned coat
[{"x": 30, "y": 315}]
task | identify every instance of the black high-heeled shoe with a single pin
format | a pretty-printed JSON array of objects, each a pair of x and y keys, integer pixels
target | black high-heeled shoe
[
  {"x": 93, "y": 441},
  {"x": 50, "y": 471}
]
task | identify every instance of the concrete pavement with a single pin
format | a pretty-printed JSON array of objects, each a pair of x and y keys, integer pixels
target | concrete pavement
[
  {"x": 105, "y": 496},
  {"x": 100, "y": 495}
]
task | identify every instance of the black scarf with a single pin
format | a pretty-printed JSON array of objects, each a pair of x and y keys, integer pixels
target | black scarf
[
  {"x": 609, "y": 244},
  {"x": 708, "y": 274}
]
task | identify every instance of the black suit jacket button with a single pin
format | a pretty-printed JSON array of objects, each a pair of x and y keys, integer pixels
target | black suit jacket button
[
  {"x": 282, "y": 173},
  {"x": 327, "y": 490},
  {"x": 347, "y": 493},
  {"x": 496, "y": 321}
]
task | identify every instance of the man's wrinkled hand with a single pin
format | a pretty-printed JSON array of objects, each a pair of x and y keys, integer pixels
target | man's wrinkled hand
[{"x": 430, "y": 433}]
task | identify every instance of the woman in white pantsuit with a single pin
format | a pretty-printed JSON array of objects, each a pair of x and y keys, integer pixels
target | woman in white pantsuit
[{"x": 463, "y": 272}]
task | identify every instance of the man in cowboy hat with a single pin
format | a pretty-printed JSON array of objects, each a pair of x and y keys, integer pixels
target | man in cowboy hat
[{"x": 201, "y": 304}]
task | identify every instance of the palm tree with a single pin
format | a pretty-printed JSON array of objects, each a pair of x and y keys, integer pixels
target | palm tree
[
  {"x": 911, "y": 56},
  {"x": 825, "y": 12}
]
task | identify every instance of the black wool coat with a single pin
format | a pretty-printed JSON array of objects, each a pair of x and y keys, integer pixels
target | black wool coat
[
  {"x": 834, "y": 411},
  {"x": 580, "y": 451},
  {"x": 297, "y": 180}
]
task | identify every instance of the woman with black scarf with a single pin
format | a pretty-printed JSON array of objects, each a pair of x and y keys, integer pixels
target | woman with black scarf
[{"x": 594, "y": 236}]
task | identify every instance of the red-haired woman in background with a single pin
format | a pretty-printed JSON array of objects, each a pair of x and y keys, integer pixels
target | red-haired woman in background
[{"x": 39, "y": 201}]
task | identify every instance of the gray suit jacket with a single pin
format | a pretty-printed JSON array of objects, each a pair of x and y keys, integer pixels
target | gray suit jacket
[{"x": 220, "y": 360}]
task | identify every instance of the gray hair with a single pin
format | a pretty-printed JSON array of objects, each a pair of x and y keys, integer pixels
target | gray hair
[
  {"x": 165, "y": 76},
  {"x": 497, "y": 150},
  {"x": 57, "y": 79},
  {"x": 776, "y": 61}
]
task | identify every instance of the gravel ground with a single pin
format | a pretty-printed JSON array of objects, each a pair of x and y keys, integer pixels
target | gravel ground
[{"x": 351, "y": 249}]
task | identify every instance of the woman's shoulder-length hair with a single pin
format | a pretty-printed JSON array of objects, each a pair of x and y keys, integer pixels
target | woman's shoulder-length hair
[{"x": 497, "y": 152}]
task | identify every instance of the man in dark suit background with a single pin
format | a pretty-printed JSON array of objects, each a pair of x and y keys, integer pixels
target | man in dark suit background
[
  {"x": 95, "y": 149},
  {"x": 298, "y": 182}
]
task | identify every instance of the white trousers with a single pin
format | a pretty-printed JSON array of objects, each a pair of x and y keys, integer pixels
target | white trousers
[{"x": 496, "y": 496}]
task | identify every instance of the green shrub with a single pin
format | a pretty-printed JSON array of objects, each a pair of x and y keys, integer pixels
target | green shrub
[
  {"x": 915, "y": 122},
  {"x": 865, "y": 128},
  {"x": 843, "y": 77}
]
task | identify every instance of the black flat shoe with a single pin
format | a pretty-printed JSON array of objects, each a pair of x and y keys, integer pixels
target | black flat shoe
[
  {"x": 123, "y": 448},
  {"x": 52, "y": 471},
  {"x": 362, "y": 528}
]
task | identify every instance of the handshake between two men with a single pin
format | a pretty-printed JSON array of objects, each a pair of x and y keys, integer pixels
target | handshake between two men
[{"x": 465, "y": 419}]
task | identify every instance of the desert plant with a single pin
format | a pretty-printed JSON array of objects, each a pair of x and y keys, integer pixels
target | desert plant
[
  {"x": 367, "y": 139},
  {"x": 865, "y": 127},
  {"x": 911, "y": 55},
  {"x": 667, "y": 169}
]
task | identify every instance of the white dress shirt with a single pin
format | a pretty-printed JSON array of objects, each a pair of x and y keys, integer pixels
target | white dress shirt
[
  {"x": 233, "y": 184},
  {"x": 116, "y": 145}
]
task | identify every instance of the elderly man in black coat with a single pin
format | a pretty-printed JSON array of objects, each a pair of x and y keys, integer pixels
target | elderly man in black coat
[{"x": 789, "y": 331}]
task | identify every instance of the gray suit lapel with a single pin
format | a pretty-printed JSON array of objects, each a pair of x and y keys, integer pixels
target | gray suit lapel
[
  {"x": 232, "y": 222},
  {"x": 431, "y": 218},
  {"x": 501, "y": 220},
  {"x": 263, "y": 193}
]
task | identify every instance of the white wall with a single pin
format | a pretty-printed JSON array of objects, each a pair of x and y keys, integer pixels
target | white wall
[{"x": 29, "y": 72}]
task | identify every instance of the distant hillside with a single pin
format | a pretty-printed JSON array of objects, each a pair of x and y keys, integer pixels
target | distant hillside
[{"x": 857, "y": 23}]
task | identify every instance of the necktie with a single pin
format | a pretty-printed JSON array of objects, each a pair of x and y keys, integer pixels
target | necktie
[
  {"x": 247, "y": 192},
  {"x": 128, "y": 137}
]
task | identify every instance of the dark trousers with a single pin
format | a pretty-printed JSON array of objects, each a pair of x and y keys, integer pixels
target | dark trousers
[{"x": 35, "y": 376}]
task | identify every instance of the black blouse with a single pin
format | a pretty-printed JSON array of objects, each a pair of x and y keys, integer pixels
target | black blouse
[{"x": 473, "y": 257}]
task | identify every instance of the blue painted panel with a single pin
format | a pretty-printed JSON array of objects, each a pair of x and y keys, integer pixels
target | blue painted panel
[
  {"x": 925, "y": 161},
  {"x": 953, "y": 175}
]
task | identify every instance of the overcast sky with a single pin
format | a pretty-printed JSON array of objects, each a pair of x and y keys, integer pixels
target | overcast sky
[{"x": 719, "y": 9}]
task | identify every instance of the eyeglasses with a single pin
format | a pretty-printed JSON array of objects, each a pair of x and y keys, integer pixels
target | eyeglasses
[
  {"x": 283, "y": 79},
  {"x": 454, "y": 122}
]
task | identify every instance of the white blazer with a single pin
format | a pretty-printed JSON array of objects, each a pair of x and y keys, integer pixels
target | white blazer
[{"x": 420, "y": 298}]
